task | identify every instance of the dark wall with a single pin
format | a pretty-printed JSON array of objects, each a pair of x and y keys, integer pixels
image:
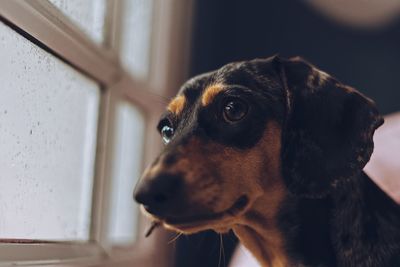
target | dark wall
[
  {"x": 238, "y": 30},
  {"x": 231, "y": 30}
]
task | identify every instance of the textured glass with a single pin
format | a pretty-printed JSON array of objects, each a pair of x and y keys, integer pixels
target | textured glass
[
  {"x": 126, "y": 168},
  {"x": 48, "y": 122},
  {"x": 136, "y": 35},
  {"x": 89, "y": 15}
]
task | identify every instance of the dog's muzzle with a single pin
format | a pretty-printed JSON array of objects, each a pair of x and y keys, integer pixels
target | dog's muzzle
[{"x": 160, "y": 195}]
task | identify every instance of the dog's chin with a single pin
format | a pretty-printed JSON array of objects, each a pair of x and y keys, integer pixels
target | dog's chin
[
  {"x": 220, "y": 221},
  {"x": 220, "y": 226}
]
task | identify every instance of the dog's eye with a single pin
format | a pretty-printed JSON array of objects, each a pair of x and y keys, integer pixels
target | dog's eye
[
  {"x": 167, "y": 132},
  {"x": 234, "y": 110}
]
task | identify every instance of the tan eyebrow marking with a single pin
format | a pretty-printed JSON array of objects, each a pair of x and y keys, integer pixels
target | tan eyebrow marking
[
  {"x": 210, "y": 92},
  {"x": 177, "y": 104}
]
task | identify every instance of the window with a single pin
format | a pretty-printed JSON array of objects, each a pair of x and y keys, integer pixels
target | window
[
  {"x": 48, "y": 136},
  {"x": 129, "y": 133},
  {"x": 135, "y": 36},
  {"x": 87, "y": 15},
  {"x": 83, "y": 83}
]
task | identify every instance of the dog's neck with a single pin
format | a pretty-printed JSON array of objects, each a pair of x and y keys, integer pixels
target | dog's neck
[
  {"x": 258, "y": 231},
  {"x": 366, "y": 224},
  {"x": 302, "y": 232}
]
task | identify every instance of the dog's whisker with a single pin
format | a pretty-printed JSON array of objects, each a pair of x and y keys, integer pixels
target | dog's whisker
[
  {"x": 175, "y": 238},
  {"x": 162, "y": 99},
  {"x": 153, "y": 226},
  {"x": 221, "y": 252},
  {"x": 219, "y": 258}
]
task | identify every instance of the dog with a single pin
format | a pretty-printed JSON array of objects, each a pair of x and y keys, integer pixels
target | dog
[{"x": 274, "y": 149}]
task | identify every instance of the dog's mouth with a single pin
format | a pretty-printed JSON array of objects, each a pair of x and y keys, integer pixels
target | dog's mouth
[{"x": 183, "y": 222}]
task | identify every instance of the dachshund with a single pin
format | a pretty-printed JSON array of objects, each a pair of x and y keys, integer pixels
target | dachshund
[{"x": 274, "y": 149}]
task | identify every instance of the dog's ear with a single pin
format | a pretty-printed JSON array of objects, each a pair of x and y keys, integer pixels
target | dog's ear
[{"x": 328, "y": 129}]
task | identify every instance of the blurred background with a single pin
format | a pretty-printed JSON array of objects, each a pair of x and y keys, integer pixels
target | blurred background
[
  {"x": 357, "y": 41},
  {"x": 83, "y": 84}
]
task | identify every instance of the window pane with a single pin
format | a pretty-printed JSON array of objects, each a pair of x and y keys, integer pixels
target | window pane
[
  {"x": 136, "y": 35},
  {"x": 48, "y": 124},
  {"x": 128, "y": 146},
  {"x": 89, "y": 15}
]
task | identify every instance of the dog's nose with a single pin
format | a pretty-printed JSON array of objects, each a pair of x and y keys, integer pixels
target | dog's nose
[{"x": 159, "y": 194}]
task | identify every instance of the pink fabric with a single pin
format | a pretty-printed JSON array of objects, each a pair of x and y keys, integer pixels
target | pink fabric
[
  {"x": 243, "y": 258},
  {"x": 383, "y": 168}
]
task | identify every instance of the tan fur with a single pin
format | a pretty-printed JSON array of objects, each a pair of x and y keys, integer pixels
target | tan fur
[
  {"x": 151, "y": 171},
  {"x": 177, "y": 104},
  {"x": 210, "y": 92},
  {"x": 258, "y": 229},
  {"x": 266, "y": 246},
  {"x": 216, "y": 176}
]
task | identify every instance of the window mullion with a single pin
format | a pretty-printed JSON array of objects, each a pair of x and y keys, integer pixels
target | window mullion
[
  {"x": 101, "y": 192},
  {"x": 50, "y": 27}
]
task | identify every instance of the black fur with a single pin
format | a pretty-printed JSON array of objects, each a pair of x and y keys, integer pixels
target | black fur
[
  {"x": 328, "y": 131},
  {"x": 243, "y": 80},
  {"x": 357, "y": 225},
  {"x": 334, "y": 215}
]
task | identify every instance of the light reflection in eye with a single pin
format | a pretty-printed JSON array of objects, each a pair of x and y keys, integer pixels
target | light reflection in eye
[{"x": 167, "y": 132}]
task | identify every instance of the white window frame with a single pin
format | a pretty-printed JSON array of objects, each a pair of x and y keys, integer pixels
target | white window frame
[{"x": 46, "y": 26}]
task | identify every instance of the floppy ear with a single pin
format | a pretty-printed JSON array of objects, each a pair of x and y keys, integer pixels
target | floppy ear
[{"x": 327, "y": 136}]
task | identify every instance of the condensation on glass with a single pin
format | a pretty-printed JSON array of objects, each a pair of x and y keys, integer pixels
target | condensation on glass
[
  {"x": 135, "y": 43},
  {"x": 126, "y": 169},
  {"x": 48, "y": 124},
  {"x": 89, "y": 15}
]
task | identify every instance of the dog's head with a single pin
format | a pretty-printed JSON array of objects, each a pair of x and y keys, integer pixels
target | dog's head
[{"x": 260, "y": 128}]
